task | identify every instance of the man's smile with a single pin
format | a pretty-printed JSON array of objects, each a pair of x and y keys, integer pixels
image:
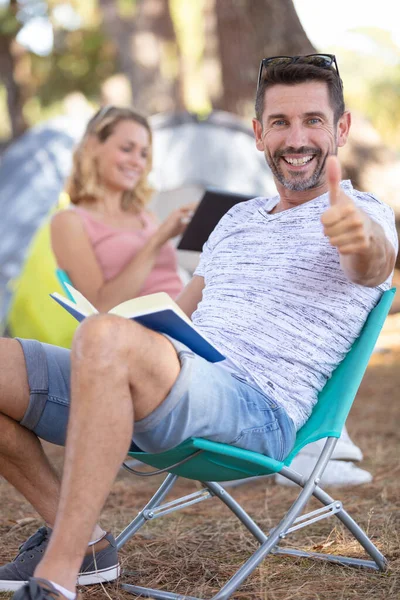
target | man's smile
[{"x": 298, "y": 161}]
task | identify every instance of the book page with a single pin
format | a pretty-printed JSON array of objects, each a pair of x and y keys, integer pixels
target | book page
[
  {"x": 148, "y": 304},
  {"x": 82, "y": 303}
]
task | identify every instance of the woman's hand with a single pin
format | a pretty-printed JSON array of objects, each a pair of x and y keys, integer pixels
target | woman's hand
[{"x": 175, "y": 223}]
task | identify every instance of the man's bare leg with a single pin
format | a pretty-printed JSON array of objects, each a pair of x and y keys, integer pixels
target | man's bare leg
[
  {"x": 120, "y": 371},
  {"x": 22, "y": 460}
]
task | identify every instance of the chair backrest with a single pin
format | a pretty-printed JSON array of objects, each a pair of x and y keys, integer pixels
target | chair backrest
[{"x": 334, "y": 401}]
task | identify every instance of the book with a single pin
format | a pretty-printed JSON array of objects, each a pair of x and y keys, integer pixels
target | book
[
  {"x": 155, "y": 311},
  {"x": 212, "y": 207}
]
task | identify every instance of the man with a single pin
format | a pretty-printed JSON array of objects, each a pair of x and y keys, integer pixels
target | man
[{"x": 283, "y": 288}]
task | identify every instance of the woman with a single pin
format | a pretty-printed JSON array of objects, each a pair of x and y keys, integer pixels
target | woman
[{"x": 108, "y": 242}]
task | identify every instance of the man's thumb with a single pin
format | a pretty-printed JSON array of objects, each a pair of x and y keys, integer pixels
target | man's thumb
[{"x": 334, "y": 175}]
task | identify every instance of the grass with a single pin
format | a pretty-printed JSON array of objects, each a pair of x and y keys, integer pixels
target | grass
[{"x": 196, "y": 550}]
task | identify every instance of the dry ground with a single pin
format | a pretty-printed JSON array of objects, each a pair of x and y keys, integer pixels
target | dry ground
[{"x": 196, "y": 550}]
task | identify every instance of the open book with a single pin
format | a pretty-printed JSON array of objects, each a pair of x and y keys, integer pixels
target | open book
[{"x": 155, "y": 311}]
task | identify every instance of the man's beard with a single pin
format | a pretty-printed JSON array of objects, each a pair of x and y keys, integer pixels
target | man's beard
[{"x": 297, "y": 182}]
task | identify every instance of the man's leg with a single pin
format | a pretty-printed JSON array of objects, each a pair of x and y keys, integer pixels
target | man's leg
[
  {"x": 120, "y": 372},
  {"x": 22, "y": 460}
]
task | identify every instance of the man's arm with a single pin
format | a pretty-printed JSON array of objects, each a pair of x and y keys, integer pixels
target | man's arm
[
  {"x": 366, "y": 255},
  {"x": 372, "y": 266},
  {"x": 190, "y": 297}
]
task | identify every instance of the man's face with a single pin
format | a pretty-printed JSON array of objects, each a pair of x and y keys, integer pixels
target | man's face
[{"x": 297, "y": 133}]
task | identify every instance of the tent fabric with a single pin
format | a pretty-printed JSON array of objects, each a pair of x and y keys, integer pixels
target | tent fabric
[{"x": 33, "y": 313}]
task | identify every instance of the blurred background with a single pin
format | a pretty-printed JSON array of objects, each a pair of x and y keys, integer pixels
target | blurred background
[
  {"x": 192, "y": 67},
  {"x": 165, "y": 55}
]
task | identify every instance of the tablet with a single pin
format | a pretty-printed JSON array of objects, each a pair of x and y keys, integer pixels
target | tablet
[{"x": 212, "y": 207}]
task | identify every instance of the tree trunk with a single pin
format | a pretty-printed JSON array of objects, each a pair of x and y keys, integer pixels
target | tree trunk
[
  {"x": 148, "y": 53},
  {"x": 249, "y": 30},
  {"x": 15, "y": 97}
]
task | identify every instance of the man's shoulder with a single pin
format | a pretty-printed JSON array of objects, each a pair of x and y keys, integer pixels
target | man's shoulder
[
  {"x": 249, "y": 206},
  {"x": 365, "y": 197},
  {"x": 376, "y": 205}
]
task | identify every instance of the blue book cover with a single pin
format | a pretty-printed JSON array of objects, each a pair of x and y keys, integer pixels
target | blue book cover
[{"x": 156, "y": 311}]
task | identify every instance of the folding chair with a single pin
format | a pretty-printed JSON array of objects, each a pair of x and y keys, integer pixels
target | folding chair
[{"x": 210, "y": 462}]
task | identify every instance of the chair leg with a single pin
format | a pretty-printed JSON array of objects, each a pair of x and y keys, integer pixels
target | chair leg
[
  {"x": 238, "y": 578},
  {"x": 155, "y": 594},
  {"x": 378, "y": 562},
  {"x": 219, "y": 491},
  {"x": 140, "y": 519},
  {"x": 356, "y": 530},
  {"x": 269, "y": 543}
]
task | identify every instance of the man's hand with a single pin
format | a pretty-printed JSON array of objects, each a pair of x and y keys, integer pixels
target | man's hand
[
  {"x": 347, "y": 227},
  {"x": 366, "y": 255}
]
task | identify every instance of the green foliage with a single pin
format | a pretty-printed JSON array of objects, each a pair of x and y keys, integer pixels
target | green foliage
[
  {"x": 188, "y": 19},
  {"x": 372, "y": 81},
  {"x": 81, "y": 61},
  {"x": 127, "y": 8},
  {"x": 86, "y": 9},
  {"x": 5, "y": 129},
  {"x": 9, "y": 24}
]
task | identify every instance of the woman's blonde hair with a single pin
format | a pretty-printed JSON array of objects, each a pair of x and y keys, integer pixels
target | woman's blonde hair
[{"x": 84, "y": 182}]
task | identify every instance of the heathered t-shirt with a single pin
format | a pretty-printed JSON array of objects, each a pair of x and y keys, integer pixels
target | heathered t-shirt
[{"x": 276, "y": 302}]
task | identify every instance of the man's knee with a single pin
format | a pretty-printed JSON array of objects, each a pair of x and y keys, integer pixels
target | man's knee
[
  {"x": 104, "y": 337},
  {"x": 108, "y": 342},
  {"x": 98, "y": 331}
]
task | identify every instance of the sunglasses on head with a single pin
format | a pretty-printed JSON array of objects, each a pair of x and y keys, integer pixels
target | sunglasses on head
[
  {"x": 323, "y": 61},
  {"x": 103, "y": 112}
]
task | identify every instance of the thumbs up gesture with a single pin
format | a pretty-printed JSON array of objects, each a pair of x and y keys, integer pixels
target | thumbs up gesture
[{"x": 347, "y": 227}]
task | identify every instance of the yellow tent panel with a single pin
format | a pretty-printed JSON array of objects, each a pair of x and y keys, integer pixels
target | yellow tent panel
[{"x": 33, "y": 313}]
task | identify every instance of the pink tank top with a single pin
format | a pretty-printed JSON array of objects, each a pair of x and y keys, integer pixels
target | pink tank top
[{"x": 114, "y": 249}]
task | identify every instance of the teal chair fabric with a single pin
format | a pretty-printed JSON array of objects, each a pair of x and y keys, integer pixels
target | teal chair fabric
[{"x": 63, "y": 279}]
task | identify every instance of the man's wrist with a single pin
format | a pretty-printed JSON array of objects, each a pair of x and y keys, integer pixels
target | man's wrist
[{"x": 372, "y": 266}]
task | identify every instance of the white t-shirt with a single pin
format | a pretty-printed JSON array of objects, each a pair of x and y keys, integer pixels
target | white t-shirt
[{"x": 276, "y": 302}]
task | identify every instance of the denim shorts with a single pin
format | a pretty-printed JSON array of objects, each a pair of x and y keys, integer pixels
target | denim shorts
[{"x": 206, "y": 401}]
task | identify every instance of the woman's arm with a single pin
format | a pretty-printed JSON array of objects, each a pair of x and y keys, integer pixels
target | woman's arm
[{"x": 74, "y": 254}]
